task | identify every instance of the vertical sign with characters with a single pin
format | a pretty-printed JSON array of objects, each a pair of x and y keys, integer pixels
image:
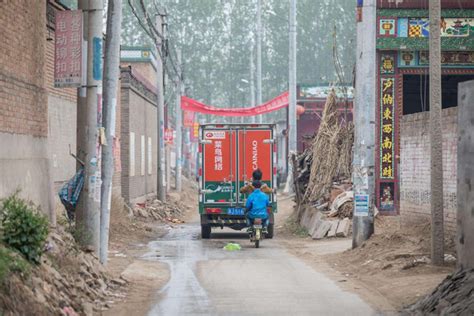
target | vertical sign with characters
[
  {"x": 68, "y": 49},
  {"x": 387, "y": 126}
]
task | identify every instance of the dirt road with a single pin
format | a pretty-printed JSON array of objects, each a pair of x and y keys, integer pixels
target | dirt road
[{"x": 207, "y": 280}]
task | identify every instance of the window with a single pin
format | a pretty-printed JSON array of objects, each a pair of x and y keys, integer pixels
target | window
[
  {"x": 132, "y": 154},
  {"x": 416, "y": 92},
  {"x": 150, "y": 156},
  {"x": 143, "y": 157}
]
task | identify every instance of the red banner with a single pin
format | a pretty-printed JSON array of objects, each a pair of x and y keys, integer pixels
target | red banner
[
  {"x": 188, "y": 120},
  {"x": 188, "y": 104}
]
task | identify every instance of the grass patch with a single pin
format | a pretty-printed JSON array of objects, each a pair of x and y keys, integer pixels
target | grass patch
[
  {"x": 12, "y": 262},
  {"x": 292, "y": 226}
]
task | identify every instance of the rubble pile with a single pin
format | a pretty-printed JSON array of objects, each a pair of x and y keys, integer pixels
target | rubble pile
[
  {"x": 329, "y": 220},
  {"x": 67, "y": 282},
  {"x": 160, "y": 211},
  {"x": 452, "y": 297}
]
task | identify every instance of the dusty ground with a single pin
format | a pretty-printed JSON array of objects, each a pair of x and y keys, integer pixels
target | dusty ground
[
  {"x": 128, "y": 245},
  {"x": 389, "y": 271}
]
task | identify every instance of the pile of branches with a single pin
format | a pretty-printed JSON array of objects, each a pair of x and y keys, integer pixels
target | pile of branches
[{"x": 329, "y": 158}]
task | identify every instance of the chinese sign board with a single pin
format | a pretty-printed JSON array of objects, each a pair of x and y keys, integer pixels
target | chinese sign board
[
  {"x": 449, "y": 59},
  {"x": 387, "y": 64},
  {"x": 68, "y": 49},
  {"x": 361, "y": 205},
  {"x": 387, "y": 126},
  {"x": 169, "y": 136},
  {"x": 188, "y": 120}
]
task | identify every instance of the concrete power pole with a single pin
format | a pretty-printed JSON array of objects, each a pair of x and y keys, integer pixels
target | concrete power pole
[
  {"x": 292, "y": 128},
  {"x": 259, "y": 56},
  {"x": 252, "y": 83},
  {"x": 160, "y": 176},
  {"x": 364, "y": 119},
  {"x": 465, "y": 192},
  {"x": 436, "y": 140},
  {"x": 179, "y": 126},
  {"x": 88, "y": 214},
  {"x": 291, "y": 124},
  {"x": 111, "y": 76},
  {"x": 291, "y": 118}
]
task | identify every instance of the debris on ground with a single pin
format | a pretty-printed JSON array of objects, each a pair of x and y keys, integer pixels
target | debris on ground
[
  {"x": 232, "y": 247},
  {"x": 66, "y": 280},
  {"x": 454, "y": 296},
  {"x": 160, "y": 211},
  {"x": 395, "y": 258}
]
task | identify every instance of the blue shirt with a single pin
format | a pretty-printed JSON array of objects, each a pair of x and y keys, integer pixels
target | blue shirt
[{"x": 257, "y": 204}]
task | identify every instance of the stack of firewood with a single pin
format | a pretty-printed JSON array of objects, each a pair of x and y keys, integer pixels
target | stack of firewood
[{"x": 328, "y": 160}]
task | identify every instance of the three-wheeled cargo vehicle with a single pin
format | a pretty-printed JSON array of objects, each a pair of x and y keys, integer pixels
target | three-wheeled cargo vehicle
[{"x": 228, "y": 154}]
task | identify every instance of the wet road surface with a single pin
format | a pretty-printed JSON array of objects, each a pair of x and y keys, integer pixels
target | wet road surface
[{"x": 207, "y": 280}]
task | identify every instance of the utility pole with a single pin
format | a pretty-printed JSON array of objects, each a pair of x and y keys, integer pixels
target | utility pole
[
  {"x": 160, "y": 176},
  {"x": 465, "y": 190},
  {"x": 364, "y": 122},
  {"x": 259, "y": 56},
  {"x": 179, "y": 125},
  {"x": 291, "y": 122},
  {"x": 111, "y": 76},
  {"x": 252, "y": 83},
  {"x": 436, "y": 140},
  {"x": 292, "y": 128},
  {"x": 88, "y": 219}
]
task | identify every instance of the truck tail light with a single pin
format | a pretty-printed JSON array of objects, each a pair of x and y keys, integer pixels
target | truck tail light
[{"x": 213, "y": 210}]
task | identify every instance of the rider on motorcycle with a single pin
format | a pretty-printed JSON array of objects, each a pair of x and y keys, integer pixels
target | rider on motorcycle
[
  {"x": 256, "y": 176},
  {"x": 256, "y": 206}
]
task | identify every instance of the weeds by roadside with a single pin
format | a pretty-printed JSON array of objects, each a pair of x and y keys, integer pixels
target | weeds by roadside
[{"x": 292, "y": 226}]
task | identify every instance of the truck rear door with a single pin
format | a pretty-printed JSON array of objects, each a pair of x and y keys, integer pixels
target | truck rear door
[
  {"x": 255, "y": 152},
  {"x": 219, "y": 168}
]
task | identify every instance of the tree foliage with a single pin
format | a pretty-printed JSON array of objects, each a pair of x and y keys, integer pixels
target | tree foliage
[{"x": 217, "y": 36}]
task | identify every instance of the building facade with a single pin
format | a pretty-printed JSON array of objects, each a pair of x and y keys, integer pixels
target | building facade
[
  {"x": 138, "y": 120},
  {"x": 402, "y": 117},
  {"x": 24, "y": 151}
]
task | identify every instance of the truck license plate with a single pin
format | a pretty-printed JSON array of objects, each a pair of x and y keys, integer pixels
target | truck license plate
[{"x": 235, "y": 211}]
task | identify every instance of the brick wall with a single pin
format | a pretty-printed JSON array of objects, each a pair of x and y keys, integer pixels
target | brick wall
[
  {"x": 138, "y": 116},
  {"x": 24, "y": 158},
  {"x": 145, "y": 69},
  {"x": 23, "y": 104},
  {"x": 415, "y": 168}
]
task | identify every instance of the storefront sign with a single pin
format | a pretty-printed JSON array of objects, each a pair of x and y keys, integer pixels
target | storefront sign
[{"x": 68, "y": 49}]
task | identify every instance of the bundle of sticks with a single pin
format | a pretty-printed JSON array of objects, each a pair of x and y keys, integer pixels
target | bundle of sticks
[{"x": 328, "y": 159}]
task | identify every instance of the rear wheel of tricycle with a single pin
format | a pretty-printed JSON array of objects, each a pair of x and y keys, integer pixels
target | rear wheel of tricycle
[
  {"x": 205, "y": 231},
  {"x": 269, "y": 233}
]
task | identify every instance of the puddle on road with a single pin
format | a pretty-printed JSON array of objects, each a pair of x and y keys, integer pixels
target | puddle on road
[{"x": 181, "y": 249}]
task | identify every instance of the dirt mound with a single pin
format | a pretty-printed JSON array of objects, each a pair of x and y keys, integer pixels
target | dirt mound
[
  {"x": 67, "y": 282},
  {"x": 395, "y": 261},
  {"x": 454, "y": 296}
]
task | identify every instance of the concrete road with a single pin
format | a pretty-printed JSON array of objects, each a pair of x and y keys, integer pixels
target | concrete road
[{"x": 207, "y": 280}]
